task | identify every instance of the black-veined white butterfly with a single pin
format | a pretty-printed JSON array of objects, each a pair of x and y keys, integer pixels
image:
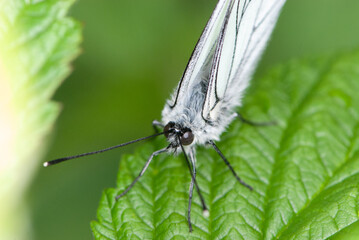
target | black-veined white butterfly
[{"x": 205, "y": 100}]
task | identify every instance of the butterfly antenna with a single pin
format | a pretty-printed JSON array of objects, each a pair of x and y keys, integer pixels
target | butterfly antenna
[{"x": 59, "y": 160}]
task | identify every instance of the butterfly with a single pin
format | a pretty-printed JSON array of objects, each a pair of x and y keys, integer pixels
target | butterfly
[{"x": 212, "y": 86}]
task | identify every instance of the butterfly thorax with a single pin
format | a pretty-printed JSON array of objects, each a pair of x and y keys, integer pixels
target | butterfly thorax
[{"x": 186, "y": 116}]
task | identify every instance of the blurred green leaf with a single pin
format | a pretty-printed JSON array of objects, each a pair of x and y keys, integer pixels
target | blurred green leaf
[
  {"x": 37, "y": 42},
  {"x": 304, "y": 171}
]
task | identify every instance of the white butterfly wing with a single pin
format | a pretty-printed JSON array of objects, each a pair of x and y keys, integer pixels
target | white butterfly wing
[
  {"x": 203, "y": 52},
  {"x": 245, "y": 31}
]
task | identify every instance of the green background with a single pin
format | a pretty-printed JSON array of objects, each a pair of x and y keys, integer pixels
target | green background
[{"x": 134, "y": 53}]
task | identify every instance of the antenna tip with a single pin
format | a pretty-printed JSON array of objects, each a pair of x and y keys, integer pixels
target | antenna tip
[
  {"x": 205, "y": 213},
  {"x": 46, "y": 164}
]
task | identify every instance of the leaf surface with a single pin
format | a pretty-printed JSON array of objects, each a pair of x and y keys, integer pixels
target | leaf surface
[{"x": 304, "y": 170}]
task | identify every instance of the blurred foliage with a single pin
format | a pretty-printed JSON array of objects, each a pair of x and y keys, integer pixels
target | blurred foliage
[
  {"x": 134, "y": 53},
  {"x": 37, "y": 43}
]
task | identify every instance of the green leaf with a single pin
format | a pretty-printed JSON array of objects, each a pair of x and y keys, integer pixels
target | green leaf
[
  {"x": 304, "y": 170},
  {"x": 37, "y": 43}
]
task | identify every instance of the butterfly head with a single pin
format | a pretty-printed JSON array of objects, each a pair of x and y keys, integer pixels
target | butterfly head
[{"x": 175, "y": 132}]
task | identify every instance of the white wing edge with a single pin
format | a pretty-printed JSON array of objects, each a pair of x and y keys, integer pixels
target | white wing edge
[
  {"x": 243, "y": 40},
  {"x": 202, "y": 51}
]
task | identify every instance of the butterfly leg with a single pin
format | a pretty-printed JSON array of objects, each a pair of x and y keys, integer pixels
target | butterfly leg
[
  {"x": 190, "y": 204},
  {"x": 192, "y": 171},
  {"x": 229, "y": 166},
  {"x": 258, "y": 124},
  {"x": 142, "y": 172},
  {"x": 156, "y": 124},
  {"x": 194, "y": 183}
]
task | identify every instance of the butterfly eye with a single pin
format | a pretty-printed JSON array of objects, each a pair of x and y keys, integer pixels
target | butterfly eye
[
  {"x": 168, "y": 128},
  {"x": 187, "y": 138}
]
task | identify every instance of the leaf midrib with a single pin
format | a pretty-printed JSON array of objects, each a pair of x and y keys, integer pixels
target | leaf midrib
[
  {"x": 329, "y": 177},
  {"x": 112, "y": 216},
  {"x": 305, "y": 98}
]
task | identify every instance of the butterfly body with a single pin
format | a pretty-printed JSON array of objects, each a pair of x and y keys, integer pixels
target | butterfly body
[
  {"x": 186, "y": 116},
  {"x": 220, "y": 68}
]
